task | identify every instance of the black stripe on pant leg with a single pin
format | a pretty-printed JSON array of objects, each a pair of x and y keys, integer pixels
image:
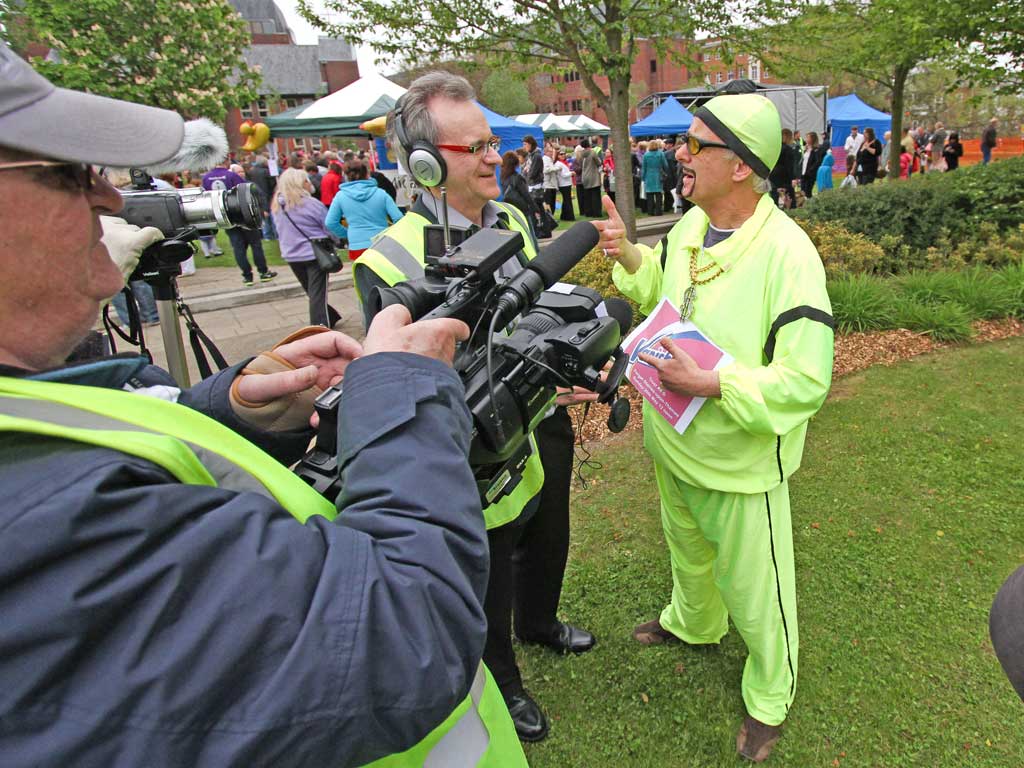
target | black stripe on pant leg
[{"x": 778, "y": 592}]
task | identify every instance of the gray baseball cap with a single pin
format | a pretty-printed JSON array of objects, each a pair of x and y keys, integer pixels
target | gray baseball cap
[{"x": 38, "y": 117}]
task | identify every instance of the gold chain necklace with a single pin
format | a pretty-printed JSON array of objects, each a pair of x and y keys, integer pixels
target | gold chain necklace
[{"x": 695, "y": 279}]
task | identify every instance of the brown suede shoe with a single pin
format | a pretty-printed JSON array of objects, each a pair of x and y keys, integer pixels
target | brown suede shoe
[
  {"x": 756, "y": 740},
  {"x": 652, "y": 633}
]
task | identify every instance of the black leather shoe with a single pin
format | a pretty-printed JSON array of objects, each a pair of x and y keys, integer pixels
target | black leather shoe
[
  {"x": 565, "y": 639},
  {"x": 530, "y": 723}
]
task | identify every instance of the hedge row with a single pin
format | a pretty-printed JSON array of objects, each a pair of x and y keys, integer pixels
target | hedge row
[{"x": 927, "y": 211}]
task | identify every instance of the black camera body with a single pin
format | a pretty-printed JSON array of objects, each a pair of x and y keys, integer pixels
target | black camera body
[
  {"x": 510, "y": 377},
  {"x": 183, "y": 215}
]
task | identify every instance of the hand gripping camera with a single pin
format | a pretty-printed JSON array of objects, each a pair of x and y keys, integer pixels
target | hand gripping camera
[{"x": 509, "y": 369}]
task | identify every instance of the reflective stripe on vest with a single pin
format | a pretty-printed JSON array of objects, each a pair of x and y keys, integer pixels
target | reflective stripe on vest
[
  {"x": 398, "y": 257},
  {"x": 87, "y": 415},
  {"x": 191, "y": 446}
]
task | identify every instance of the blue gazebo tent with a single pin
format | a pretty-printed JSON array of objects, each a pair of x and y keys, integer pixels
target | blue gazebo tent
[
  {"x": 845, "y": 112},
  {"x": 670, "y": 117},
  {"x": 511, "y": 132}
]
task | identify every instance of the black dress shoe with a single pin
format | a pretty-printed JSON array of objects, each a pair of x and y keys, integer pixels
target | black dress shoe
[
  {"x": 565, "y": 639},
  {"x": 530, "y": 723}
]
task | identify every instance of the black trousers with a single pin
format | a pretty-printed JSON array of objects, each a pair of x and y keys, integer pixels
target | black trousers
[
  {"x": 591, "y": 205},
  {"x": 528, "y": 559},
  {"x": 314, "y": 282},
  {"x": 241, "y": 239},
  {"x": 654, "y": 203},
  {"x": 550, "y": 194},
  {"x": 568, "y": 214}
]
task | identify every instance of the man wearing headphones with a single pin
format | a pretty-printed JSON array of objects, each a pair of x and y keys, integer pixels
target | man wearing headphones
[{"x": 443, "y": 139}]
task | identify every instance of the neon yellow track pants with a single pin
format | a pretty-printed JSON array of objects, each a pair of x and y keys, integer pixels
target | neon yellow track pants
[{"x": 732, "y": 555}]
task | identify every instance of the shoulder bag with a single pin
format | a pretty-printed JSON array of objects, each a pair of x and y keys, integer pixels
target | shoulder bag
[{"x": 323, "y": 248}]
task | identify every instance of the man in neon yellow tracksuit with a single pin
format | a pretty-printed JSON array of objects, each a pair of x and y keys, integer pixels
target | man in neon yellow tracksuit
[{"x": 751, "y": 280}]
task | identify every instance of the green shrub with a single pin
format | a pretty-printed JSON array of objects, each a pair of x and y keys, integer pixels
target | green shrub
[
  {"x": 925, "y": 287},
  {"x": 1012, "y": 278},
  {"x": 937, "y": 210},
  {"x": 843, "y": 252},
  {"x": 978, "y": 290},
  {"x": 861, "y": 303},
  {"x": 983, "y": 294},
  {"x": 948, "y": 321}
]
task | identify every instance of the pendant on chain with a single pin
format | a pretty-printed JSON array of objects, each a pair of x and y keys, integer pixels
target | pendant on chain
[{"x": 687, "y": 309}]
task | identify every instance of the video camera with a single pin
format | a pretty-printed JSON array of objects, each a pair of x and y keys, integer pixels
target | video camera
[
  {"x": 183, "y": 215},
  {"x": 510, "y": 379}
]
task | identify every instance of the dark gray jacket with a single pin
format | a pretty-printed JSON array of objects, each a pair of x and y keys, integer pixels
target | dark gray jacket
[{"x": 151, "y": 623}]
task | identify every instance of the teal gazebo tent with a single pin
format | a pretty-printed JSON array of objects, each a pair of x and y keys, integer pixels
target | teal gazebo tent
[{"x": 339, "y": 113}]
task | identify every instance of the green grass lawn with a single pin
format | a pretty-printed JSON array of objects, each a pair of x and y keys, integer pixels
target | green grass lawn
[{"x": 907, "y": 518}]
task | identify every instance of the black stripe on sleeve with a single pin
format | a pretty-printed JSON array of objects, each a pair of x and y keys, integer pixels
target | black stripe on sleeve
[{"x": 791, "y": 315}]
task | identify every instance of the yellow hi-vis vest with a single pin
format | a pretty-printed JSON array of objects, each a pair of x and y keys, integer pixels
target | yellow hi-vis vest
[
  {"x": 396, "y": 256},
  {"x": 197, "y": 450}
]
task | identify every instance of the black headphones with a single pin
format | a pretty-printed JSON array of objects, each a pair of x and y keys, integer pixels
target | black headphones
[{"x": 423, "y": 159}]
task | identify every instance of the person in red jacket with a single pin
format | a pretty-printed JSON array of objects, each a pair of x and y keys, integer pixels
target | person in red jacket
[{"x": 330, "y": 183}]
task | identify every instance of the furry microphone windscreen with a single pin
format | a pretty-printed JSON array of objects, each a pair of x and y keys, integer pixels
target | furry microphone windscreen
[{"x": 205, "y": 145}]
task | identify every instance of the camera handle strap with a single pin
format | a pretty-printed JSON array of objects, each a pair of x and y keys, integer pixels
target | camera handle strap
[
  {"x": 135, "y": 336},
  {"x": 198, "y": 339}
]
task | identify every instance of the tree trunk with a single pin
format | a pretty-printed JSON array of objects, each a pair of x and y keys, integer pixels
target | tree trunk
[
  {"x": 899, "y": 83},
  {"x": 618, "y": 121}
]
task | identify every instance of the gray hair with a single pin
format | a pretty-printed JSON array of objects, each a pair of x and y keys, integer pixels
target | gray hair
[
  {"x": 417, "y": 121},
  {"x": 761, "y": 184}
]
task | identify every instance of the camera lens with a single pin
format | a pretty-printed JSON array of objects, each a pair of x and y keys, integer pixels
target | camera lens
[{"x": 242, "y": 208}]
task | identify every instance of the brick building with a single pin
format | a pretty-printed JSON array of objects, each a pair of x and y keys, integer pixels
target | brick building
[
  {"x": 292, "y": 74},
  {"x": 564, "y": 92}
]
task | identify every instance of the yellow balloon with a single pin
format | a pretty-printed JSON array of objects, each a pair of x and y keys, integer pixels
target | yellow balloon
[{"x": 259, "y": 136}]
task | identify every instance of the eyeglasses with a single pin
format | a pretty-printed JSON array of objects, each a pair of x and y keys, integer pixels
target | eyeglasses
[
  {"x": 482, "y": 146},
  {"x": 80, "y": 174},
  {"x": 696, "y": 146}
]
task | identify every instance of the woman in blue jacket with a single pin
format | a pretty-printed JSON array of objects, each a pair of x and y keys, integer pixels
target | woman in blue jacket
[
  {"x": 653, "y": 166},
  {"x": 367, "y": 209},
  {"x": 824, "y": 176}
]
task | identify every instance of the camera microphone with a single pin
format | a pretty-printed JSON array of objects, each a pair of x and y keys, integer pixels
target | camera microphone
[
  {"x": 203, "y": 146},
  {"x": 544, "y": 271}
]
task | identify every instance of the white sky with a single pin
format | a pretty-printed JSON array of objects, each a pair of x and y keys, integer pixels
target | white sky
[{"x": 306, "y": 34}]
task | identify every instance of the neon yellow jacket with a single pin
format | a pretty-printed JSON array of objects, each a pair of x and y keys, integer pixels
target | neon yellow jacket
[
  {"x": 771, "y": 312},
  {"x": 398, "y": 255}
]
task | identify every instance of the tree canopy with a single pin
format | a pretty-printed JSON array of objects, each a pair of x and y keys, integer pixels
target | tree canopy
[
  {"x": 880, "y": 41},
  {"x": 184, "y": 55},
  {"x": 506, "y": 94},
  {"x": 593, "y": 38}
]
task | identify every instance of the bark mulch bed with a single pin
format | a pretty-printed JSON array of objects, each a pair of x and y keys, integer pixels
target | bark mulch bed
[{"x": 854, "y": 352}]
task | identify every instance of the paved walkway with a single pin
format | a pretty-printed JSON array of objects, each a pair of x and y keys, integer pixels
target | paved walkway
[{"x": 242, "y": 321}]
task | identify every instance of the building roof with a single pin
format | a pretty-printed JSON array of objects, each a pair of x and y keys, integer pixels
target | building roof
[
  {"x": 286, "y": 69},
  {"x": 295, "y": 69},
  {"x": 264, "y": 11},
  {"x": 334, "y": 49}
]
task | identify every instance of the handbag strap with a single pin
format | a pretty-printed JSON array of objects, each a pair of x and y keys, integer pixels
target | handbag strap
[{"x": 292, "y": 221}]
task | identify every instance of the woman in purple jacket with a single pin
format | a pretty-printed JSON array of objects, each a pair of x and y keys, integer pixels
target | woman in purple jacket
[{"x": 299, "y": 217}]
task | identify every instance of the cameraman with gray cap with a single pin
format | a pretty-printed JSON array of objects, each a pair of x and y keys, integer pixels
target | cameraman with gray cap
[{"x": 162, "y": 602}]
